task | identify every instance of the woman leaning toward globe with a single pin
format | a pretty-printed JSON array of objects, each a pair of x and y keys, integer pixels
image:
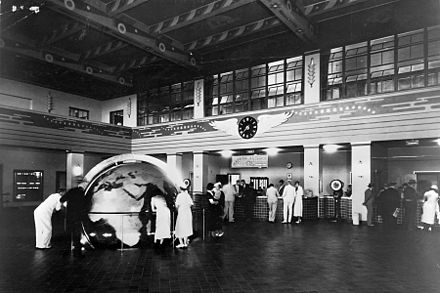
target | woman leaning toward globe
[{"x": 163, "y": 218}]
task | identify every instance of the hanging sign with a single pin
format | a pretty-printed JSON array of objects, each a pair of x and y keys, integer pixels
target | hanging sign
[{"x": 250, "y": 161}]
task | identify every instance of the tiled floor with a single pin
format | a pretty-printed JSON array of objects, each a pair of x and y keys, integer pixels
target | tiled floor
[{"x": 252, "y": 257}]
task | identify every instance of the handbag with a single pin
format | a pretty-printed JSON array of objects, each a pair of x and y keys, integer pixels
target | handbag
[{"x": 396, "y": 212}]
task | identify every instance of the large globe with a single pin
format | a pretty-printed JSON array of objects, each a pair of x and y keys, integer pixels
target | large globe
[{"x": 118, "y": 194}]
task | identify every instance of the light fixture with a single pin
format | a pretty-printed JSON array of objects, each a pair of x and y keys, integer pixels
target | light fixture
[
  {"x": 226, "y": 153},
  {"x": 331, "y": 148},
  {"x": 272, "y": 151},
  {"x": 437, "y": 141},
  {"x": 77, "y": 171}
]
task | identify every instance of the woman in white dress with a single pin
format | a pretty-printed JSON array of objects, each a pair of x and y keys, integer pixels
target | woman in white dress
[
  {"x": 43, "y": 219},
  {"x": 298, "y": 202},
  {"x": 184, "y": 227},
  {"x": 430, "y": 207},
  {"x": 163, "y": 218}
]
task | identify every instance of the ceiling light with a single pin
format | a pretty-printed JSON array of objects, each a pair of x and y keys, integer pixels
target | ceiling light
[
  {"x": 272, "y": 151},
  {"x": 437, "y": 141},
  {"x": 331, "y": 148},
  {"x": 226, "y": 153}
]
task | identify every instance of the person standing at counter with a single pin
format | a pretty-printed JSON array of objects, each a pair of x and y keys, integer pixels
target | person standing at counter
[
  {"x": 388, "y": 202},
  {"x": 369, "y": 204},
  {"x": 229, "y": 191},
  {"x": 288, "y": 199},
  {"x": 43, "y": 219},
  {"x": 272, "y": 200},
  {"x": 249, "y": 199},
  {"x": 430, "y": 208},
  {"x": 298, "y": 202},
  {"x": 410, "y": 205}
]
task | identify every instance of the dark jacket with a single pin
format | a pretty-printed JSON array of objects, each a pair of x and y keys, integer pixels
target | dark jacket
[{"x": 76, "y": 204}]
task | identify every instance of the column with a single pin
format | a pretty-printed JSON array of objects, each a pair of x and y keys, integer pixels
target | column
[
  {"x": 199, "y": 98},
  {"x": 74, "y": 169},
  {"x": 311, "y": 168},
  {"x": 312, "y": 81},
  {"x": 174, "y": 161},
  {"x": 200, "y": 172},
  {"x": 361, "y": 176}
]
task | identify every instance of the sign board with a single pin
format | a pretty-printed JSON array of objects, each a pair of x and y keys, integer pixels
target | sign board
[
  {"x": 28, "y": 185},
  {"x": 250, "y": 161}
]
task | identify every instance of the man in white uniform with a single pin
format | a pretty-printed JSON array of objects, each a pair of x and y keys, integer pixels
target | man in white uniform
[
  {"x": 288, "y": 199},
  {"x": 43, "y": 219}
]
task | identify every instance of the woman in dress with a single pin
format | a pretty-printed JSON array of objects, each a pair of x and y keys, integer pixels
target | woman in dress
[
  {"x": 430, "y": 207},
  {"x": 184, "y": 227},
  {"x": 298, "y": 202},
  {"x": 215, "y": 209},
  {"x": 163, "y": 218}
]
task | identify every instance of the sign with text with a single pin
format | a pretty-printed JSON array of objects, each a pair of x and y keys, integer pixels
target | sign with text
[
  {"x": 250, "y": 161},
  {"x": 28, "y": 185}
]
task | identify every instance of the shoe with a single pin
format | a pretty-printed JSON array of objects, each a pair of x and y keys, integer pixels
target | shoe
[
  {"x": 284, "y": 222},
  {"x": 371, "y": 225},
  {"x": 297, "y": 222},
  {"x": 220, "y": 234},
  {"x": 180, "y": 246}
]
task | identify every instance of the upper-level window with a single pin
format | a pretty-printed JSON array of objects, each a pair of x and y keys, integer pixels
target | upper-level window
[
  {"x": 356, "y": 68},
  {"x": 79, "y": 113},
  {"x": 294, "y": 73},
  {"x": 398, "y": 62},
  {"x": 411, "y": 63},
  {"x": 433, "y": 59},
  {"x": 276, "y": 84},
  {"x": 168, "y": 103},
  {"x": 117, "y": 117}
]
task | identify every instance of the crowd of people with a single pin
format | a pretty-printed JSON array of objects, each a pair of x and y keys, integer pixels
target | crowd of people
[
  {"x": 388, "y": 203},
  {"x": 392, "y": 202}
]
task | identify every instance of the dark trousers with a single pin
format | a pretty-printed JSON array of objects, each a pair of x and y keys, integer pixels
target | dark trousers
[
  {"x": 409, "y": 220},
  {"x": 75, "y": 231},
  {"x": 337, "y": 208}
]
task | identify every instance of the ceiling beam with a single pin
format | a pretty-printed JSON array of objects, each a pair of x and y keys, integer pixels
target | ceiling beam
[
  {"x": 241, "y": 31},
  {"x": 120, "y": 6},
  {"x": 197, "y": 14},
  {"x": 59, "y": 34},
  {"x": 102, "y": 50},
  {"x": 135, "y": 63},
  {"x": 69, "y": 61},
  {"x": 291, "y": 14},
  {"x": 88, "y": 13},
  {"x": 327, "y": 5}
]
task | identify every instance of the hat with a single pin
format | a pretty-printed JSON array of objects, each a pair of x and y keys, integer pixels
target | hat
[
  {"x": 435, "y": 187},
  {"x": 217, "y": 184}
]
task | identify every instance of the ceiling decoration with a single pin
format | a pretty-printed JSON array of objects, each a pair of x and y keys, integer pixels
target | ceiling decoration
[{"x": 108, "y": 48}]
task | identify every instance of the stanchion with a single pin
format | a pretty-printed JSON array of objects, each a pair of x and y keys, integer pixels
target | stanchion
[
  {"x": 203, "y": 223},
  {"x": 122, "y": 233}
]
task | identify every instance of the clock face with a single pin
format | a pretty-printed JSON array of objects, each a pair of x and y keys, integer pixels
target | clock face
[
  {"x": 247, "y": 127},
  {"x": 289, "y": 165}
]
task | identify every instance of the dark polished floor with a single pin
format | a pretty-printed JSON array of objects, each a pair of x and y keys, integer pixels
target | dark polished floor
[{"x": 252, "y": 257}]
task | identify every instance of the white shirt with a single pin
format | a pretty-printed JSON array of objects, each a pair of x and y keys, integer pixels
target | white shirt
[
  {"x": 272, "y": 194},
  {"x": 289, "y": 192},
  {"x": 229, "y": 192}
]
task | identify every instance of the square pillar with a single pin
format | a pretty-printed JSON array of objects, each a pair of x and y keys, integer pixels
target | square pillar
[
  {"x": 74, "y": 169},
  {"x": 200, "y": 172},
  {"x": 174, "y": 161},
  {"x": 311, "y": 168},
  {"x": 199, "y": 99},
  {"x": 312, "y": 77},
  {"x": 361, "y": 176}
]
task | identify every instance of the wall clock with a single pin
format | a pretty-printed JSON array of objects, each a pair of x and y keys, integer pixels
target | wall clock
[{"x": 247, "y": 127}]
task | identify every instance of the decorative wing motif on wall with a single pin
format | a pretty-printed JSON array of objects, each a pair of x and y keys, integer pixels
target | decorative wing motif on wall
[
  {"x": 228, "y": 126},
  {"x": 266, "y": 122}
]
